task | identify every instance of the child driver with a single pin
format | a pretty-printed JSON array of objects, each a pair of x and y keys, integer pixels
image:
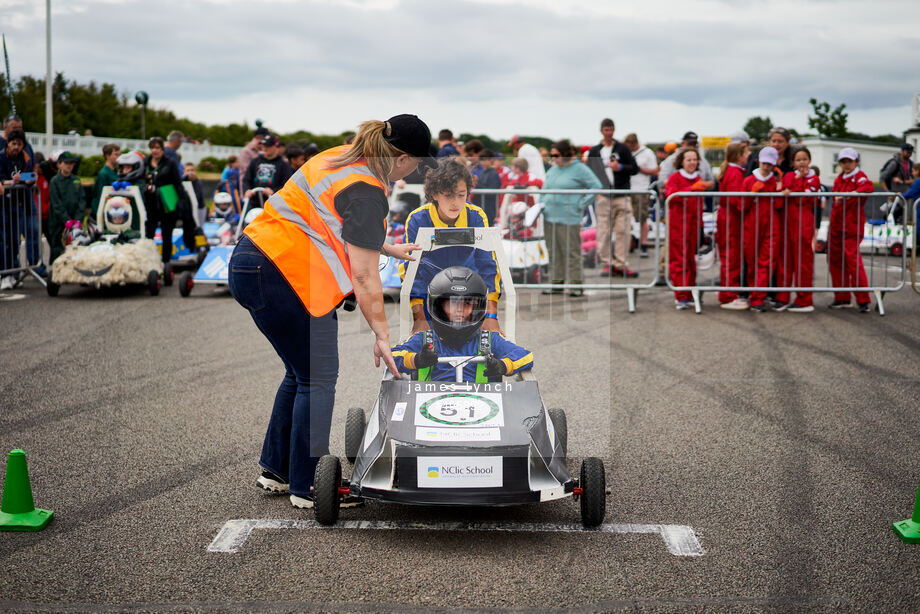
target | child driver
[{"x": 456, "y": 309}]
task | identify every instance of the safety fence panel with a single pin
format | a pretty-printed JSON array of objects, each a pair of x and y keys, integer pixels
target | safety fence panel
[
  {"x": 911, "y": 222},
  {"x": 756, "y": 250},
  {"x": 570, "y": 241},
  {"x": 20, "y": 231}
]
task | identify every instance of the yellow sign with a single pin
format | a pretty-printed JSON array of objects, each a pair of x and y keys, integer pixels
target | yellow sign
[{"x": 715, "y": 142}]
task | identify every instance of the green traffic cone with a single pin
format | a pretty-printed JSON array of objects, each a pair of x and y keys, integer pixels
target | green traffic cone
[
  {"x": 909, "y": 530},
  {"x": 17, "y": 509}
]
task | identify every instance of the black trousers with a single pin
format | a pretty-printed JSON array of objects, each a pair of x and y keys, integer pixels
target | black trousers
[{"x": 156, "y": 216}]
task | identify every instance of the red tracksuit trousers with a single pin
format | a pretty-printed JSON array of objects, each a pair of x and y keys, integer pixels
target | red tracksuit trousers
[
  {"x": 843, "y": 257},
  {"x": 729, "y": 239},
  {"x": 761, "y": 227},
  {"x": 796, "y": 265},
  {"x": 684, "y": 222}
]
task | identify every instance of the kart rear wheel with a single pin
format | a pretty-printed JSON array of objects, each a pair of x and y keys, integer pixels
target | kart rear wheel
[
  {"x": 153, "y": 283},
  {"x": 168, "y": 274},
  {"x": 593, "y": 485},
  {"x": 326, "y": 489},
  {"x": 896, "y": 250},
  {"x": 52, "y": 288},
  {"x": 560, "y": 424},
  {"x": 186, "y": 283},
  {"x": 820, "y": 247},
  {"x": 533, "y": 275},
  {"x": 355, "y": 424}
]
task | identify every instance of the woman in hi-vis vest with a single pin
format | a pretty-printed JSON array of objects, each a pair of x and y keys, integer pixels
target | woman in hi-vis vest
[{"x": 317, "y": 241}]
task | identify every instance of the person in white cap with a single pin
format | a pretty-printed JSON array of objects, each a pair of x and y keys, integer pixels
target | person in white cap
[
  {"x": 848, "y": 218},
  {"x": 761, "y": 225}
]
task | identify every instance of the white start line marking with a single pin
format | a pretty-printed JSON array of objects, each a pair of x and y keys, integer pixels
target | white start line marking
[{"x": 679, "y": 539}]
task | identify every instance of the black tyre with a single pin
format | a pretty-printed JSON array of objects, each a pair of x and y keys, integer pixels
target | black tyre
[
  {"x": 593, "y": 484},
  {"x": 201, "y": 255},
  {"x": 153, "y": 283},
  {"x": 355, "y": 424},
  {"x": 186, "y": 283},
  {"x": 168, "y": 274},
  {"x": 560, "y": 424},
  {"x": 534, "y": 274},
  {"x": 326, "y": 483},
  {"x": 820, "y": 247},
  {"x": 590, "y": 258},
  {"x": 52, "y": 288}
]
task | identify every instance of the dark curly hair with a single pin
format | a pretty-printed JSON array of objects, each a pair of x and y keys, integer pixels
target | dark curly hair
[
  {"x": 444, "y": 178},
  {"x": 565, "y": 148}
]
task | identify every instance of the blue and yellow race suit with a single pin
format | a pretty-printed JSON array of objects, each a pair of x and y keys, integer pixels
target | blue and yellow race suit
[
  {"x": 514, "y": 356},
  {"x": 431, "y": 263}
]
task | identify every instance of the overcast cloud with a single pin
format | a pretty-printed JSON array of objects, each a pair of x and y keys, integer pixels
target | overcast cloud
[{"x": 489, "y": 66}]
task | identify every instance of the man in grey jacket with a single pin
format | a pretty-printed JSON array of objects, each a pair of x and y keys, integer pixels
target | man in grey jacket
[{"x": 895, "y": 177}]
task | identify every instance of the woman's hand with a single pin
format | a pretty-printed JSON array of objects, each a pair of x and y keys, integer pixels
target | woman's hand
[
  {"x": 382, "y": 350},
  {"x": 401, "y": 251}
]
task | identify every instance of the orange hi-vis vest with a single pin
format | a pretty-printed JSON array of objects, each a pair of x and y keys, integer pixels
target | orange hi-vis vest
[{"x": 300, "y": 231}]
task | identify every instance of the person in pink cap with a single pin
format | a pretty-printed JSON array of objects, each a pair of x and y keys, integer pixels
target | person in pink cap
[
  {"x": 848, "y": 218},
  {"x": 761, "y": 224}
]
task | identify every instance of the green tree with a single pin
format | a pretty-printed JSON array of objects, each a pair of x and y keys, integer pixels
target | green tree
[
  {"x": 829, "y": 123},
  {"x": 758, "y": 127}
]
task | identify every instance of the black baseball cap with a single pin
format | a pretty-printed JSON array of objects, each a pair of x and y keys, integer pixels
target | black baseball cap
[
  {"x": 690, "y": 136},
  {"x": 270, "y": 140},
  {"x": 260, "y": 131},
  {"x": 411, "y": 135},
  {"x": 907, "y": 147},
  {"x": 66, "y": 156}
]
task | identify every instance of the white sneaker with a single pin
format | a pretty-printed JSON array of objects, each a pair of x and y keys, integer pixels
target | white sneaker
[
  {"x": 739, "y": 304},
  {"x": 801, "y": 308},
  {"x": 6, "y": 283},
  {"x": 301, "y": 502}
]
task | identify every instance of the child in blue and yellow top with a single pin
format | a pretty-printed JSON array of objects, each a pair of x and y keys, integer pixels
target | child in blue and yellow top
[
  {"x": 448, "y": 188},
  {"x": 457, "y": 308}
]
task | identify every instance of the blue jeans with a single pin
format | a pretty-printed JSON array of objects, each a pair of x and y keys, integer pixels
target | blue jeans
[{"x": 298, "y": 431}]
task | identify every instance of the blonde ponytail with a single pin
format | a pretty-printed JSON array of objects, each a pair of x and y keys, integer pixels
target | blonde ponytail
[
  {"x": 370, "y": 144},
  {"x": 733, "y": 153}
]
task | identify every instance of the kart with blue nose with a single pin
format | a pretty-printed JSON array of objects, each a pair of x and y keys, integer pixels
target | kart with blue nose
[{"x": 456, "y": 443}]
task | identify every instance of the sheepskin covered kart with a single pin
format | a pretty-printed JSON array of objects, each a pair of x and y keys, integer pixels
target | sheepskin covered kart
[{"x": 114, "y": 254}]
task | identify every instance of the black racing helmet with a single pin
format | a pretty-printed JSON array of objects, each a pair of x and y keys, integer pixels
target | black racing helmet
[{"x": 462, "y": 288}]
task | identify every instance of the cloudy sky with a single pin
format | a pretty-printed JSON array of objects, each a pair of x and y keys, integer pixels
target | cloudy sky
[{"x": 499, "y": 67}]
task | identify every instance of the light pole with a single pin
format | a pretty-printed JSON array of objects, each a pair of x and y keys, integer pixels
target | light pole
[
  {"x": 141, "y": 98},
  {"x": 49, "y": 104}
]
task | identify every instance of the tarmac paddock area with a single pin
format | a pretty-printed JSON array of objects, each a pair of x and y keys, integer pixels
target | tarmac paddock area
[{"x": 785, "y": 444}]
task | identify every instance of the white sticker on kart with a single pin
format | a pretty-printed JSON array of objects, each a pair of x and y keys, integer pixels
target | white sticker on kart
[
  {"x": 399, "y": 412},
  {"x": 459, "y": 409},
  {"x": 459, "y": 471},
  {"x": 430, "y": 433}
]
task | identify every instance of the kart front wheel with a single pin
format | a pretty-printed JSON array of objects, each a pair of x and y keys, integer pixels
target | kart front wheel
[
  {"x": 355, "y": 424},
  {"x": 52, "y": 288},
  {"x": 593, "y": 485},
  {"x": 896, "y": 250},
  {"x": 186, "y": 283},
  {"x": 153, "y": 283},
  {"x": 168, "y": 274},
  {"x": 326, "y": 483},
  {"x": 561, "y": 427}
]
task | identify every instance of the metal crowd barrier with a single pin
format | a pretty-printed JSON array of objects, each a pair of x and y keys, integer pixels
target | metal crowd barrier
[
  {"x": 872, "y": 253},
  {"x": 535, "y": 247},
  {"x": 21, "y": 246},
  {"x": 912, "y": 212}
]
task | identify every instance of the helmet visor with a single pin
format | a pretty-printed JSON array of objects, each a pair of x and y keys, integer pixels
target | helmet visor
[{"x": 460, "y": 311}]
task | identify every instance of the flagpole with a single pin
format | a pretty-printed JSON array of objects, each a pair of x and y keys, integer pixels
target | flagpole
[{"x": 49, "y": 117}]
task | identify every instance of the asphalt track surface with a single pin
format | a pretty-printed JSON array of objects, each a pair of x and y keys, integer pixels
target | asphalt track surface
[{"x": 787, "y": 442}]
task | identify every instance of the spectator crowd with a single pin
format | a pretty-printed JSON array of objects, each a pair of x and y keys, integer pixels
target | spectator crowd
[{"x": 763, "y": 237}]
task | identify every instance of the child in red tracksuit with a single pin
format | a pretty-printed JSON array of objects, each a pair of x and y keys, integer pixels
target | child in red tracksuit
[
  {"x": 761, "y": 225},
  {"x": 730, "y": 224},
  {"x": 684, "y": 223},
  {"x": 848, "y": 218},
  {"x": 798, "y": 256}
]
